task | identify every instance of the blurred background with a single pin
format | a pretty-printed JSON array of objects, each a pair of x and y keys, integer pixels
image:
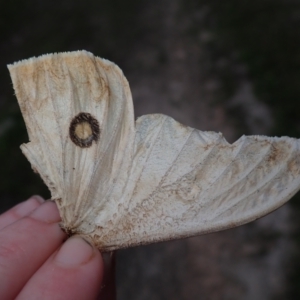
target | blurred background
[{"x": 230, "y": 66}]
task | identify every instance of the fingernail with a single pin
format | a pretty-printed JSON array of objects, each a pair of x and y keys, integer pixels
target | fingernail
[
  {"x": 47, "y": 212},
  {"x": 26, "y": 207},
  {"x": 74, "y": 252},
  {"x": 37, "y": 198}
]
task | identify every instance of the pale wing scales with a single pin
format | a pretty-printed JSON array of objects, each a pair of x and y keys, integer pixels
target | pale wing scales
[
  {"x": 158, "y": 181},
  {"x": 186, "y": 182},
  {"x": 52, "y": 90}
]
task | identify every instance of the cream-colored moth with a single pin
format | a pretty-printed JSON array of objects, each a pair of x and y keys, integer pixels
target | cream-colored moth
[{"x": 119, "y": 182}]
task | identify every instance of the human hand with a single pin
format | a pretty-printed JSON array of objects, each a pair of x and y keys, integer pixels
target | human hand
[{"x": 36, "y": 264}]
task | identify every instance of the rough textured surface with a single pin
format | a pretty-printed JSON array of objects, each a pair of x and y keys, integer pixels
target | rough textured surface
[{"x": 153, "y": 181}]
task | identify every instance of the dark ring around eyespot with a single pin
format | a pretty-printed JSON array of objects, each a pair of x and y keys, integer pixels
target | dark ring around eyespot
[{"x": 80, "y": 119}]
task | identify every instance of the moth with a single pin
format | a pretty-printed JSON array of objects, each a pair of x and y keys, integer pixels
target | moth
[{"x": 119, "y": 182}]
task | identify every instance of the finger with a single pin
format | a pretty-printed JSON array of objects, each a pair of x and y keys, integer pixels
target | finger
[
  {"x": 26, "y": 245},
  {"x": 74, "y": 272},
  {"x": 20, "y": 210}
]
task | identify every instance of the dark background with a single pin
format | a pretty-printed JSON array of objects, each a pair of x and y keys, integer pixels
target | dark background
[{"x": 231, "y": 66}]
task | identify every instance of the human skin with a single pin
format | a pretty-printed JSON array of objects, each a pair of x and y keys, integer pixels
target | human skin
[{"x": 38, "y": 261}]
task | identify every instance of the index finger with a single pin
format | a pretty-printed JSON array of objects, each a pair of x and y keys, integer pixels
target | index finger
[{"x": 20, "y": 210}]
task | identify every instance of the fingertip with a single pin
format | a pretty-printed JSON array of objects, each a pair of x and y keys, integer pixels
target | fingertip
[
  {"x": 47, "y": 212},
  {"x": 38, "y": 198},
  {"x": 76, "y": 270},
  {"x": 21, "y": 210},
  {"x": 74, "y": 252},
  {"x": 26, "y": 207}
]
